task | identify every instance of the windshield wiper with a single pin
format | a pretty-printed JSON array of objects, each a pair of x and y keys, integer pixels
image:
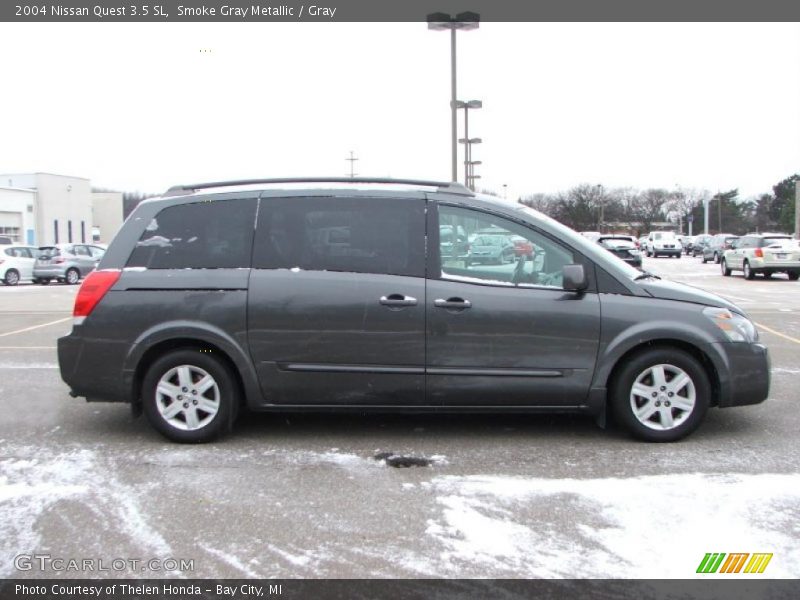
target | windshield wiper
[{"x": 646, "y": 275}]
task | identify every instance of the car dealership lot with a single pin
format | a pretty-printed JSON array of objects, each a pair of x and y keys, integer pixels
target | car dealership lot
[{"x": 303, "y": 495}]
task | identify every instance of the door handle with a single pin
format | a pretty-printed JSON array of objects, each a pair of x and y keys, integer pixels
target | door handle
[
  {"x": 452, "y": 303},
  {"x": 398, "y": 300}
]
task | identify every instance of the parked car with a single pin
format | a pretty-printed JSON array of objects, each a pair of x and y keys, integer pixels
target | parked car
[
  {"x": 686, "y": 241},
  {"x": 663, "y": 243},
  {"x": 188, "y": 317},
  {"x": 491, "y": 248},
  {"x": 717, "y": 246},
  {"x": 622, "y": 247},
  {"x": 591, "y": 235},
  {"x": 699, "y": 242},
  {"x": 16, "y": 263},
  {"x": 66, "y": 263},
  {"x": 454, "y": 242},
  {"x": 642, "y": 242},
  {"x": 763, "y": 253}
]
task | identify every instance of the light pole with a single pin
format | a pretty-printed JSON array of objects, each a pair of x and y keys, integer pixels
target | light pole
[
  {"x": 602, "y": 207},
  {"x": 441, "y": 22},
  {"x": 467, "y": 106},
  {"x": 472, "y": 175},
  {"x": 468, "y": 154}
]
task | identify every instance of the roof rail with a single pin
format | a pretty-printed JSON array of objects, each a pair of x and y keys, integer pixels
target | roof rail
[{"x": 452, "y": 187}]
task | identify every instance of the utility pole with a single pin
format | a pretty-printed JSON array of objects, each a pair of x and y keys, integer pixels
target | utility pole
[
  {"x": 352, "y": 160},
  {"x": 797, "y": 209}
]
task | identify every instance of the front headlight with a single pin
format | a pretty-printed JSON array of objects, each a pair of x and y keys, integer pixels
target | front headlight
[{"x": 735, "y": 327}]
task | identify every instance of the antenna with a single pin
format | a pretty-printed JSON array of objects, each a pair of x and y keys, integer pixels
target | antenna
[{"x": 352, "y": 161}]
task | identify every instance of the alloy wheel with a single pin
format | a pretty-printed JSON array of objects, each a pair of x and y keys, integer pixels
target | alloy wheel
[
  {"x": 662, "y": 397},
  {"x": 187, "y": 397}
]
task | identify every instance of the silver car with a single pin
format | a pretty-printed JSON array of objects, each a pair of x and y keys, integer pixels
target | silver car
[{"x": 66, "y": 263}]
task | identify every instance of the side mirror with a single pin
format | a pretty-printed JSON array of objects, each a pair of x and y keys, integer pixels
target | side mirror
[{"x": 574, "y": 278}]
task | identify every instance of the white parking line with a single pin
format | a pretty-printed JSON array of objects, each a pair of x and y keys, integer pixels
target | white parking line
[
  {"x": 28, "y": 347},
  {"x": 34, "y": 327}
]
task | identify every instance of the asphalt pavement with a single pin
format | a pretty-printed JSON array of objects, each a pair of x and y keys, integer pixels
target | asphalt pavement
[{"x": 304, "y": 495}]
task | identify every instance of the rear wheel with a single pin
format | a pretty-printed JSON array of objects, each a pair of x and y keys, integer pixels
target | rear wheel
[
  {"x": 748, "y": 272},
  {"x": 661, "y": 394},
  {"x": 72, "y": 276},
  {"x": 705, "y": 260},
  {"x": 189, "y": 396},
  {"x": 793, "y": 276},
  {"x": 12, "y": 277},
  {"x": 716, "y": 257},
  {"x": 725, "y": 270}
]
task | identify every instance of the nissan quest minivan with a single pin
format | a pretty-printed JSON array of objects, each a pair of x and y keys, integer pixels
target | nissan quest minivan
[{"x": 329, "y": 294}]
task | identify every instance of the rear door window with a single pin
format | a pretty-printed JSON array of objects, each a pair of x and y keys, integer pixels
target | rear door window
[
  {"x": 202, "y": 235},
  {"x": 356, "y": 235}
]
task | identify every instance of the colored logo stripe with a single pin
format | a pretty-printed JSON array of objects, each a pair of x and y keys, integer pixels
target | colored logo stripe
[
  {"x": 758, "y": 563},
  {"x": 710, "y": 562},
  {"x": 733, "y": 564}
]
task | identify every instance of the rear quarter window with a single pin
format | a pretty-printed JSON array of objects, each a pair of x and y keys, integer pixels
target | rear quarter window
[{"x": 201, "y": 235}]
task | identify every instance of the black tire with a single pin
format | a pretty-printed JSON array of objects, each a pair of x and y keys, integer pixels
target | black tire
[
  {"x": 716, "y": 257},
  {"x": 44, "y": 281},
  {"x": 12, "y": 277},
  {"x": 72, "y": 276},
  {"x": 705, "y": 260},
  {"x": 229, "y": 396},
  {"x": 725, "y": 270},
  {"x": 620, "y": 393},
  {"x": 793, "y": 276},
  {"x": 748, "y": 272}
]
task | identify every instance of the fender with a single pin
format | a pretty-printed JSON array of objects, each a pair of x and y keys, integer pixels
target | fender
[
  {"x": 638, "y": 334},
  {"x": 195, "y": 330}
]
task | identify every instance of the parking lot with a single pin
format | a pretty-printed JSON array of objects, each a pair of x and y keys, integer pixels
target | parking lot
[{"x": 304, "y": 495}]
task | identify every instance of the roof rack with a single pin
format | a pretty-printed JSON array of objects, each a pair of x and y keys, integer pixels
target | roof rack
[{"x": 451, "y": 187}]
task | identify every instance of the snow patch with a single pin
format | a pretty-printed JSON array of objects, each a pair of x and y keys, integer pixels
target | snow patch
[
  {"x": 643, "y": 527},
  {"x": 31, "y": 486}
]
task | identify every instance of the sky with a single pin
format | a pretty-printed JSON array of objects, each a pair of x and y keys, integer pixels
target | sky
[{"x": 142, "y": 106}]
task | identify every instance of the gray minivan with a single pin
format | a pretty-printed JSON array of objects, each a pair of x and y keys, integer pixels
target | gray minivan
[{"x": 287, "y": 295}]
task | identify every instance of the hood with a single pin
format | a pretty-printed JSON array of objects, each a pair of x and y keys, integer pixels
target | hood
[{"x": 672, "y": 290}]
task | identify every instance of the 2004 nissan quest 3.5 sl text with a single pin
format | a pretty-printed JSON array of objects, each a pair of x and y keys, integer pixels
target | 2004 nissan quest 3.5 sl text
[{"x": 312, "y": 294}]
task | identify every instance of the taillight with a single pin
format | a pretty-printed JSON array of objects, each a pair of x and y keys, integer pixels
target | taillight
[
  {"x": 94, "y": 287},
  {"x": 759, "y": 253},
  {"x": 58, "y": 260}
]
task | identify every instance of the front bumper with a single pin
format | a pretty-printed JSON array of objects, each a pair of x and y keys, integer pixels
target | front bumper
[{"x": 744, "y": 373}]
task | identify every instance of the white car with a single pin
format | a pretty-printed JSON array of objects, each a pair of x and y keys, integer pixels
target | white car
[
  {"x": 664, "y": 243},
  {"x": 16, "y": 263}
]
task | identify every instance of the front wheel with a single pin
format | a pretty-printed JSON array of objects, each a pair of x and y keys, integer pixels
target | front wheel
[
  {"x": 725, "y": 270},
  {"x": 716, "y": 257},
  {"x": 793, "y": 276},
  {"x": 661, "y": 394},
  {"x": 189, "y": 396}
]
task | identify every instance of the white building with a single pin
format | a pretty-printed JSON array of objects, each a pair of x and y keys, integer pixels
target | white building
[
  {"x": 106, "y": 215},
  {"x": 17, "y": 214},
  {"x": 45, "y": 208}
]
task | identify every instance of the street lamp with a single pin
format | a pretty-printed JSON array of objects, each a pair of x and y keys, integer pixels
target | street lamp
[
  {"x": 440, "y": 22},
  {"x": 468, "y": 153},
  {"x": 466, "y": 106},
  {"x": 472, "y": 175}
]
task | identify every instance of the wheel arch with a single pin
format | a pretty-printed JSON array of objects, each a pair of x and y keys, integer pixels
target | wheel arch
[
  {"x": 151, "y": 345},
  {"x": 703, "y": 358}
]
